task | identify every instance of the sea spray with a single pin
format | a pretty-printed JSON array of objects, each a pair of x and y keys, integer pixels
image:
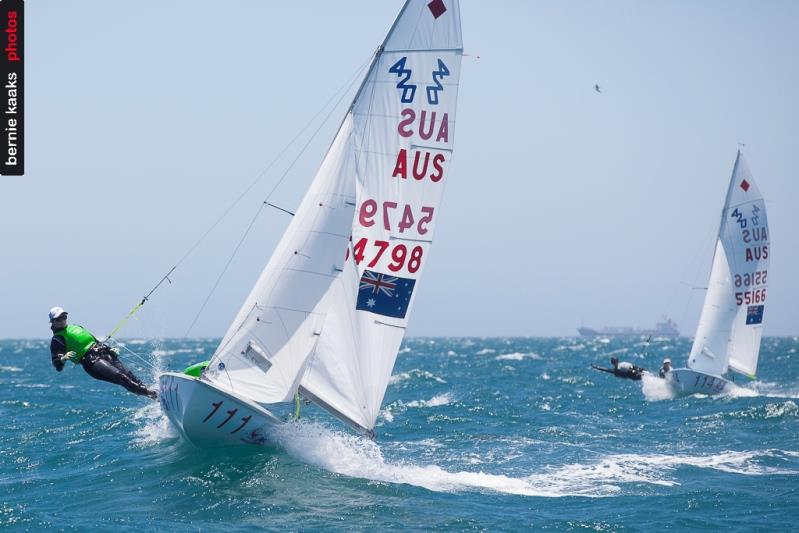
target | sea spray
[
  {"x": 354, "y": 456},
  {"x": 655, "y": 388},
  {"x": 153, "y": 424}
]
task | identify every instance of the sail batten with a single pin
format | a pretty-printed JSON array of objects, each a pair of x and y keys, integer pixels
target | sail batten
[{"x": 730, "y": 326}]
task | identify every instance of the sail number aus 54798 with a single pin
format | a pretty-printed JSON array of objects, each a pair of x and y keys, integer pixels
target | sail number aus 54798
[
  {"x": 400, "y": 257},
  {"x": 369, "y": 209}
]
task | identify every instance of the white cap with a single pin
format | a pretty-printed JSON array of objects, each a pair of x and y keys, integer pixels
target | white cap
[
  {"x": 56, "y": 312},
  {"x": 667, "y": 360}
]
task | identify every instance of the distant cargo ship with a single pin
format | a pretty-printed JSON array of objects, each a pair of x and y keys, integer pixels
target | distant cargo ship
[{"x": 665, "y": 328}]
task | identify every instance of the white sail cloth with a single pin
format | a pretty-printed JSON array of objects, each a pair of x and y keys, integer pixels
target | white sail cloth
[
  {"x": 329, "y": 310},
  {"x": 281, "y": 315},
  {"x": 731, "y": 324},
  {"x": 404, "y": 126}
]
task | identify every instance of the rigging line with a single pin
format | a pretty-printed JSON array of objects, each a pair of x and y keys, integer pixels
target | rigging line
[
  {"x": 279, "y": 208},
  {"x": 346, "y": 87},
  {"x": 224, "y": 270},
  {"x": 261, "y": 207},
  {"x": 272, "y": 163},
  {"x": 312, "y": 137},
  {"x": 140, "y": 357},
  {"x": 139, "y": 305}
]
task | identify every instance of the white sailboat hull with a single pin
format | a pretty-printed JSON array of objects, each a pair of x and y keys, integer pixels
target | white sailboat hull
[
  {"x": 684, "y": 382},
  {"x": 209, "y": 417}
]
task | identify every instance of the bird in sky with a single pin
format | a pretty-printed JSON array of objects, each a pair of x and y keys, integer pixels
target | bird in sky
[{"x": 596, "y": 88}]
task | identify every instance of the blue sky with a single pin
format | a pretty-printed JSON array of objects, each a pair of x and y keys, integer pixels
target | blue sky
[{"x": 146, "y": 120}]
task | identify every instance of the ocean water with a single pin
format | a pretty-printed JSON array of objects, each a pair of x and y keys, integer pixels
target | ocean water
[{"x": 475, "y": 434}]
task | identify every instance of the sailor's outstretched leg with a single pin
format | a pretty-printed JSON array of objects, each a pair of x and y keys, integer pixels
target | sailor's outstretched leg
[
  {"x": 111, "y": 356},
  {"x": 100, "y": 368}
]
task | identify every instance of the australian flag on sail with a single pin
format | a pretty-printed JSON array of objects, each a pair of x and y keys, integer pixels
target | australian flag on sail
[
  {"x": 754, "y": 314},
  {"x": 384, "y": 295}
]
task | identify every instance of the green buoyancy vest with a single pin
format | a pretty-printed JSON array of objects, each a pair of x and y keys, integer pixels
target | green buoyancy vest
[
  {"x": 196, "y": 369},
  {"x": 78, "y": 340}
]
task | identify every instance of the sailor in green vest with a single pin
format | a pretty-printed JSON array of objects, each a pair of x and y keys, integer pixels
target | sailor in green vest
[{"x": 75, "y": 343}]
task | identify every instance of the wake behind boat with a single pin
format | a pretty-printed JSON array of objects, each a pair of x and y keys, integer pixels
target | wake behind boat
[
  {"x": 731, "y": 325},
  {"x": 328, "y": 313}
]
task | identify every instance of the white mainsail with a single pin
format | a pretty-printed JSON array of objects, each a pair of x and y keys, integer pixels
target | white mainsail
[
  {"x": 731, "y": 324},
  {"x": 265, "y": 347},
  {"x": 329, "y": 310},
  {"x": 405, "y": 125}
]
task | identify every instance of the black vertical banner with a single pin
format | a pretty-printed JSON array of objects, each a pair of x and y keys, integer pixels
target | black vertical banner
[{"x": 12, "y": 73}]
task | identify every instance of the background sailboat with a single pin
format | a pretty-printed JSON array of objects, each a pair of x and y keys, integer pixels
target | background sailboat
[
  {"x": 731, "y": 325},
  {"x": 328, "y": 313}
]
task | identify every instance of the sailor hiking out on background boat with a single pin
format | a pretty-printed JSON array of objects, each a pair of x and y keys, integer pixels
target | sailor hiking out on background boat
[{"x": 622, "y": 369}]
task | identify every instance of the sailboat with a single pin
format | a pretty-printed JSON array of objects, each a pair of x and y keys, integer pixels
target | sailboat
[
  {"x": 731, "y": 324},
  {"x": 326, "y": 317}
]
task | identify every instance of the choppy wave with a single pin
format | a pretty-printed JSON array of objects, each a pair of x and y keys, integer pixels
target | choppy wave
[
  {"x": 153, "y": 426},
  {"x": 479, "y": 432},
  {"x": 517, "y": 356},
  {"x": 354, "y": 456},
  {"x": 435, "y": 401},
  {"x": 389, "y": 411},
  {"x": 655, "y": 388},
  {"x": 774, "y": 390},
  {"x": 787, "y": 409},
  {"x": 412, "y": 374}
]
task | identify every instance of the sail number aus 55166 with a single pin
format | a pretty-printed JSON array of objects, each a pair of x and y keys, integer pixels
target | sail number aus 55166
[
  {"x": 750, "y": 297},
  {"x": 750, "y": 279},
  {"x": 400, "y": 257}
]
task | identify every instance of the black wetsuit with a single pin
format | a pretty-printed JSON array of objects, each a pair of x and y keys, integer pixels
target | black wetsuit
[
  {"x": 101, "y": 362},
  {"x": 635, "y": 373}
]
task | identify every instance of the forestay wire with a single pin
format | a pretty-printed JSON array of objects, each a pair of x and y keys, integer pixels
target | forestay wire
[{"x": 345, "y": 88}]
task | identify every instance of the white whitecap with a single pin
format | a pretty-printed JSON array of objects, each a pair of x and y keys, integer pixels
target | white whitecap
[
  {"x": 655, "y": 388},
  {"x": 350, "y": 455},
  {"x": 435, "y": 401},
  {"x": 153, "y": 426},
  {"x": 517, "y": 356},
  {"x": 414, "y": 373}
]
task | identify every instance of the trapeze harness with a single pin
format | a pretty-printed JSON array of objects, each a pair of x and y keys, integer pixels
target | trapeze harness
[{"x": 99, "y": 360}]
